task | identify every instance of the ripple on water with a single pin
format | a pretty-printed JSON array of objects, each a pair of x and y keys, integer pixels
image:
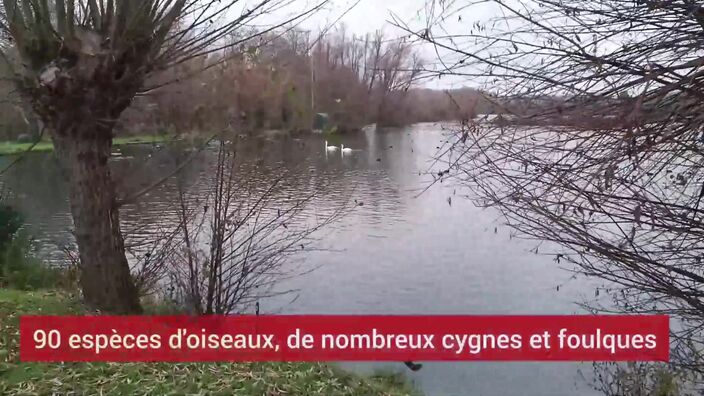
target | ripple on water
[{"x": 398, "y": 253}]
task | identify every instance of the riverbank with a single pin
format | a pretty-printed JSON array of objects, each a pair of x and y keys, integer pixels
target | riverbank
[
  {"x": 161, "y": 378},
  {"x": 12, "y": 148}
]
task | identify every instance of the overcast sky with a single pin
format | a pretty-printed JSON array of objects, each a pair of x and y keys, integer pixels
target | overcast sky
[{"x": 370, "y": 15}]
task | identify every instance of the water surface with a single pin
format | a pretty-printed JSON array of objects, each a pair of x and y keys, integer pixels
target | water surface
[{"x": 401, "y": 252}]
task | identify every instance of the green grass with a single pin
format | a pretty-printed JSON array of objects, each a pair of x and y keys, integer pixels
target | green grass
[
  {"x": 270, "y": 379},
  {"x": 11, "y": 148}
]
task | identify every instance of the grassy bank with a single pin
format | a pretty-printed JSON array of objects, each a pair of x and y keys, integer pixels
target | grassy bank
[
  {"x": 10, "y": 148},
  {"x": 160, "y": 378}
]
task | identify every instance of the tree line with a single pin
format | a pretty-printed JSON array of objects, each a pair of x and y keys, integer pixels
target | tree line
[{"x": 279, "y": 80}]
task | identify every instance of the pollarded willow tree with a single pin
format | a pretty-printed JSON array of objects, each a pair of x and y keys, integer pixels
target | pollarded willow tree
[
  {"x": 602, "y": 149},
  {"x": 80, "y": 64}
]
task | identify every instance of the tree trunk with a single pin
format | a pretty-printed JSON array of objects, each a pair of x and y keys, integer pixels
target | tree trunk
[{"x": 105, "y": 274}]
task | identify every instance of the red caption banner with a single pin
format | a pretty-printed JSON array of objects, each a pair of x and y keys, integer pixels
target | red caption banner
[{"x": 343, "y": 338}]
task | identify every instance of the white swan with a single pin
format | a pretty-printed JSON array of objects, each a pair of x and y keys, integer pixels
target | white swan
[
  {"x": 345, "y": 150},
  {"x": 330, "y": 148}
]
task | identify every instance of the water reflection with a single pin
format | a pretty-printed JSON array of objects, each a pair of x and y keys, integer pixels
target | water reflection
[{"x": 397, "y": 253}]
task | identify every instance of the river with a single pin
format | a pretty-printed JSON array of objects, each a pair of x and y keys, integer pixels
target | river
[{"x": 401, "y": 252}]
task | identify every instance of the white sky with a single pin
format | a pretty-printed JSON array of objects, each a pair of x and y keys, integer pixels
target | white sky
[{"x": 370, "y": 15}]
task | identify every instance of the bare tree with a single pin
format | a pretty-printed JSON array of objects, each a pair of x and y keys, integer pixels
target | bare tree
[
  {"x": 80, "y": 64},
  {"x": 639, "y": 379},
  {"x": 243, "y": 238},
  {"x": 602, "y": 153}
]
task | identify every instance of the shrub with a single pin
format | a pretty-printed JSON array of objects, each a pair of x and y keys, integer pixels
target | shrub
[
  {"x": 20, "y": 269},
  {"x": 641, "y": 379},
  {"x": 10, "y": 222}
]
